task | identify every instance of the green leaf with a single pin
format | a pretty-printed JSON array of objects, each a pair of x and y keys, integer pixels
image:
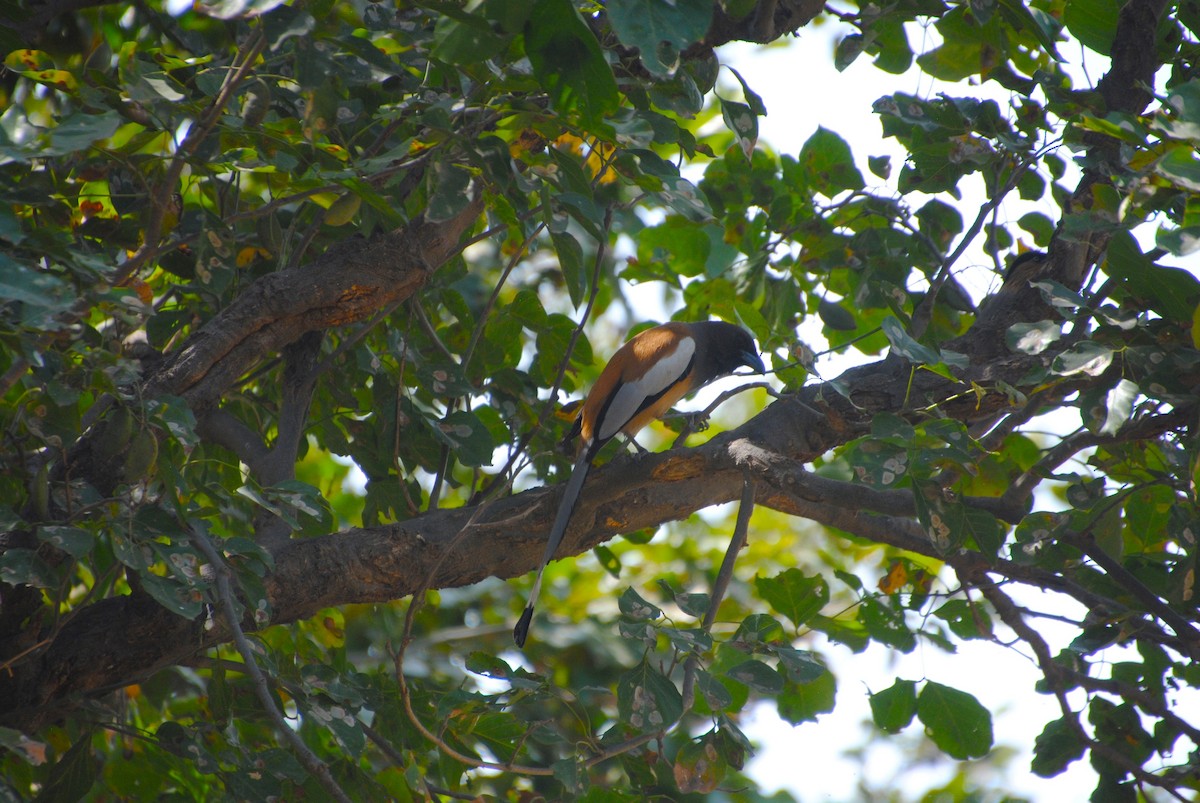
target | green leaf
[
  {"x": 742, "y": 121},
  {"x": 1180, "y": 242},
  {"x": 73, "y": 775},
  {"x": 688, "y": 639},
  {"x": 886, "y": 624},
  {"x": 828, "y": 163},
  {"x": 468, "y": 436},
  {"x": 287, "y": 23},
  {"x": 803, "y": 702},
  {"x": 25, "y": 567},
  {"x": 1116, "y": 125},
  {"x": 608, "y": 560},
  {"x": 794, "y": 595},
  {"x": 569, "y": 773},
  {"x": 836, "y": 317},
  {"x": 698, "y": 765},
  {"x": 894, "y": 53},
  {"x": 1119, "y": 406},
  {"x": 904, "y": 345},
  {"x": 633, "y": 606},
  {"x": 680, "y": 95},
  {"x": 38, "y": 288},
  {"x": 1032, "y": 338},
  {"x": 482, "y": 663},
  {"x": 1093, "y": 23},
  {"x": 173, "y": 595},
  {"x": 341, "y": 722},
  {"x": 940, "y": 221},
  {"x": 877, "y": 462},
  {"x": 647, "y": 700},
  {"x": 952, "y": 61},
  {"x": 297, "y": 503},
  {"x": 694, "y": 605},
  {"x": 966, "y": 621},
  {"x": 659, "y": 29},
  {"x": 757, "y": 629},
  {"x": 570, "y": 259},
  {"x": 894, "y": 708},
  {"x": 753, "y": 100},
  {"x": 501, "y": 732},
  {"x": 452, "y": 192},
  {"x": 237, "y": 9},
  {"x": 801, "y": 666},
  {"x": 1060, "y": 297},
  {"x": 848, "y": 49},
  {"x": 715, "y": 695},
  {"x": 678, "y": 242},
  {"x": 682, "y": 196},
  {"x": 981, "y": 528},
  {"x": 466, "y": 40},
  {"x": 567, "y": 61},
  {"x": 1181, "y": 166},
  {"x": 1086, "y": 357},
  {"x": 80, "y": 130},
  {"x": 1119, "y": 726},
  {"x": 74, "y": 541},
  {"x": 757, "y": 675},
  {"x": 955, "y": 721},
  {"x": 889, "y": 426},
  {"x": 1172, "y": 292},
  {"x": 880, "y": 166},
  {"x": 1055, "y": 747}
]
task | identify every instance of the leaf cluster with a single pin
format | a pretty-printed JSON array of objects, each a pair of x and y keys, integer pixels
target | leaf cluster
[{"x": 291, "y": 295}]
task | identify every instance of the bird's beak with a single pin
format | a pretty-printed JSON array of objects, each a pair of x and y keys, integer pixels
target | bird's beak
[{"x": 751, "y": 359}]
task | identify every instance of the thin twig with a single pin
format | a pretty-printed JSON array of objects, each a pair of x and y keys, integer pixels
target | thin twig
[
  {"x": 197, "y": 134},
  {"x": 1053, "y": 673},
  {"x": 552, "y": 397},
  {"x": 704, "y": 414},
  {"x": 1183, "y": 628},
  {"x": 225, "y": 598},
  {"x": 924, "y": 313},
  {"x": 741, "y": 531}
]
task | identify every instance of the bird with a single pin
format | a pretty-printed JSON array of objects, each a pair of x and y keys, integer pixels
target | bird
[{"x": 653, "y": 370}]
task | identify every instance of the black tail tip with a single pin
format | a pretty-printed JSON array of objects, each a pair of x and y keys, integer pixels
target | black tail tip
[{"x": 521, "y": 631}]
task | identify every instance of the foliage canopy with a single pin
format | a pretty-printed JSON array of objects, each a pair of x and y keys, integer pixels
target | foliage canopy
[{"x": 248, "y": 245}]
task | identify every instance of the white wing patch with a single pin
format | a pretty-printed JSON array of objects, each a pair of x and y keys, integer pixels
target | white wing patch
[{"x": 632, "y": 395}]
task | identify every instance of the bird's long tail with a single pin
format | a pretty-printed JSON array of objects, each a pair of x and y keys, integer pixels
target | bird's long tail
[{"x": 565, "y": 508}]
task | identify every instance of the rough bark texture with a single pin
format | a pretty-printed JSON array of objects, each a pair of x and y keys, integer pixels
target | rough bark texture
[{"x": 116, "y": 641}]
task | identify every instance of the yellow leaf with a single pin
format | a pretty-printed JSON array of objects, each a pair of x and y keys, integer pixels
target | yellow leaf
[
  {"x": 528, "y": 141},
  {"x": 569, "y": 411},
  {"x": 249, "y": 254},
  {"x": 24, "y": 60},
  {"x": 894, "y": 580}
]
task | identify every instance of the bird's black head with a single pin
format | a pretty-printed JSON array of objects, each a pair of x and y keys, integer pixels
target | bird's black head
[{"x": 726, "y": 348}]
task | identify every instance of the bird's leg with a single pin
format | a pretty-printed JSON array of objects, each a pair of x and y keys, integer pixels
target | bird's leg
[
  {"x": 637, "y": 447},
  {"x": 696, "y": 421}
]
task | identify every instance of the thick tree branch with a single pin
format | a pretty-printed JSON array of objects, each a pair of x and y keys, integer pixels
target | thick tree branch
[
  {"x": 345, "y": 284},
  {"x": 116, "y": 640}
]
